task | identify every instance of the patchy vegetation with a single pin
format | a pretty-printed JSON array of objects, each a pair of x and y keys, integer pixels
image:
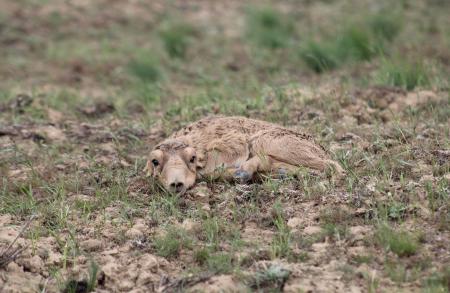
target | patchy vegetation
[
  {"x": 88, "y": 87},
  {"x": 176, "y": 38},
  {"x": 404, "y": 74},
  {"x": 359, "y": 41},
  {"x": 399, "y": 242},
  {"x": 269, "y": 28}
]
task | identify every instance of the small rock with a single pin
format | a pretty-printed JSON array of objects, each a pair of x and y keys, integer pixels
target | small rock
[
  {"x": 139, "y": 290},
  {"x": 364, "y": 270},
  {"x": 423, "y": 212},
  {"x": 206, "y": 208},
  {"x": 51, "y": 133},
  {"x": 126, "y": 285},
  {"x": 149, "y": 262},
  {"x": 140, "y": 225},
  {"x": 426, "y": 178},
  {"x": 91, "y": 244},
  {"x": 97, "y": 109},
  {"x": 13, "y": 267},
  {"x": 110, "y": 269},
  {"x": 447, "y": 177},
  {"x": 221, "y": 283},
  {"x": 320, "y": 247},
  {"x": 107, "y": 148},
  {"x": 359, "y": 232},
  {"x": 422, "y": 169},
  {"x": 419, "y": 98},
  {"x": 131, "y": 273},
  {"x": 42, "y": 252},
  {"x": 362, "y": 212},
  {"x": 133, "y": 233},
  {"x": 54, "y": 116},
  {"x": 5, "y": 219},
  {"x": 82, "y": 197},
  {"x": 189, "y": 225},
  {"x": 348, "y": 121},
  {"x": 105, "y": 160},
  {"x": 20, "y": 102},
  {"x": 311, "y": 230},
  {"x": 124, "y": 163},
  {"x": 356, "y": 251},
  {"x": 201, "y": 193},
  {"x": 33, "y": 264},
  {"x": 21, "y": 282},
  {"x": 113, "y": 251},
  {"x": 146, "y": 277},
  {"x": 53, "y": 258},
  {"x": 8, "y": 234},
  {"x": 82, "y": 164},
  {"x": 294, "y": 222},
  {"x": 81, "y": 260}
]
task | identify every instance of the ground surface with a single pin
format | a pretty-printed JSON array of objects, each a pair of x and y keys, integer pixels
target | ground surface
[{"x": 87, "y": 87}]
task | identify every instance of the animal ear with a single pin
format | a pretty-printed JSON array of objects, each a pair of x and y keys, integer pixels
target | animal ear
[{"x": 148, "y": 169}]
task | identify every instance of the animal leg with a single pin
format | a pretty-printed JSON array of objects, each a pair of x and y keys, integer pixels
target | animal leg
[
  {"x": 269, "y": 149},
  {"x": 246, "y": 171},
  {"x": 224, "y": 155},
  {"x": 259, "y": 164},
  {"x": 282, "y": 170}
]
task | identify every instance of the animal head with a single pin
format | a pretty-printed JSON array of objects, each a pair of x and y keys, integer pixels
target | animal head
[{"x": 174, "y": 164}]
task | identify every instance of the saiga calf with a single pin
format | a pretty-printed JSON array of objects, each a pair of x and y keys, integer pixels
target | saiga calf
[{"x": 234, "y": 147}]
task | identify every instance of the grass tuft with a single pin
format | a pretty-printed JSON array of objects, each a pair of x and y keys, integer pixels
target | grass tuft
[
  {"x": 319, "y": 57},
  {"x": 211, "y": 229},
  {"x": 176, "y": 38},
  {"x": 201, "y": 256},
  {"x": 146, "y": 68},
  {"x": 220, "y": 263},
  {"x": 74, "y": 286},
  {"x": 402, "y": 73},
  {"x": 438, "y": 282},
  {"x": 282, "y": 239},
  {"x": 355, "y": 44},
  {"x": 20, "y": 203},
  {"x": 358, "y": 42},
  {"x": 170, "y": 244},
  {"x": 272, "y": 277},
  {"x": 385, "y": 25},
  {"x": 401, "y": 243},
  {"x": 269, "y": 28}
]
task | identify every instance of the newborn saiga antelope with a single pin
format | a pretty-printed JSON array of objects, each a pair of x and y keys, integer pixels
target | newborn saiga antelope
[{"x": 232, "y": 147}]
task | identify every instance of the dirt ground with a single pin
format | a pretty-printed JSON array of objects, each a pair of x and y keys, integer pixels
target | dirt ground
[{"x": 88, "y": 87}]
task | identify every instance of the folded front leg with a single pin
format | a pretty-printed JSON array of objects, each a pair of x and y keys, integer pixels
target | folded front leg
[
  {"x": 264, "y": 165},
  {"x": 248, "y": 169}
]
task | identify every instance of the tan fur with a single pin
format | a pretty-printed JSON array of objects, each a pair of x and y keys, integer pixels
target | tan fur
[{"x": 229, "y": 144}]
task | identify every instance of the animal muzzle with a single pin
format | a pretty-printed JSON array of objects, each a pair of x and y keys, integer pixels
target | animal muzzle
[
  {"x": 176, "y": 179},
  {"x": 176, "y": 187}
]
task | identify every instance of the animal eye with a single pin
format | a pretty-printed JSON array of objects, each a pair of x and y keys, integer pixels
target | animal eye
[
  {"x": 193, "y": 159},
  {"x": 155, "y": 162}
]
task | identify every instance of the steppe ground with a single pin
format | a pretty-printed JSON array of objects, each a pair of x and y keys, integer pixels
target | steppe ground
[{"x": 88, "y": 87}]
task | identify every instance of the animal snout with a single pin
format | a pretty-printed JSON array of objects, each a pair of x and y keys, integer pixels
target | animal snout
[{"x": 176, "y": 186}]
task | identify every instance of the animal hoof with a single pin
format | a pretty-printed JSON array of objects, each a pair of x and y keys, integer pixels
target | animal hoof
[
  {"x": 282, "y": 174},
  {"x": 242, "y": 176}
]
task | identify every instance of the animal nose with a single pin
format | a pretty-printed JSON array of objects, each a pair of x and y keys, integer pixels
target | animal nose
[{"x": 176, "y": 186}]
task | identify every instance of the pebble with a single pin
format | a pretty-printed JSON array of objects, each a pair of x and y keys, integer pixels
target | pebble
[
  {"x": 294, "y": 222},
  {"x": 91, "y": 244},
  {"x": 133, "y": 233},
  {"x": 311, "y": 230}
]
